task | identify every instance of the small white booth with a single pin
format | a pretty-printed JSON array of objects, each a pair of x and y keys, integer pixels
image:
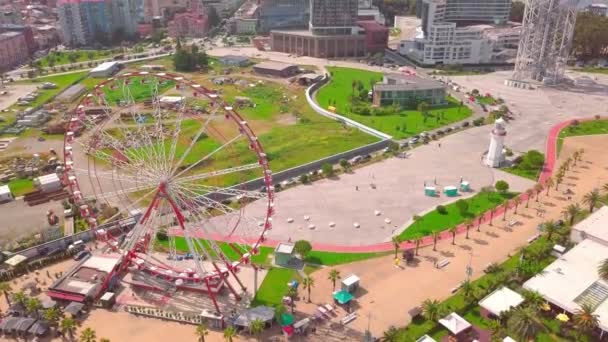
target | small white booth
[
  {"x": 5, "y": 194},
  {"x": 351, "y": 283}
]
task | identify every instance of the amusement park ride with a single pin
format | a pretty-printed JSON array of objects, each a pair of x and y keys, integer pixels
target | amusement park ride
[{"x": 127, "y": 148}]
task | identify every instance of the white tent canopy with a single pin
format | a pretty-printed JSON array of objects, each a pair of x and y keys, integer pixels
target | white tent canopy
[
  {"x": 454, "y": 323},
  {"x": 501, "y": 300}
]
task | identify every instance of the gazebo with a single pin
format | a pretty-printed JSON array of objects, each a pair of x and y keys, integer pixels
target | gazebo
[
  {"x": 455, "y": 324},
  {"x": 74, "y": 309},
  {"x": 343, "y": 297},
  {"x": 499, "y": 301}
]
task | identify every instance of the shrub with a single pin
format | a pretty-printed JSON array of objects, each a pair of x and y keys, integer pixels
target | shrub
[
  {"x": 478, "y": 122},
  {"x": 466, "y": 124},
  {"x": 304, "y": 179},
  {"x": 575, "y": 122},
  {"x": 344, "y": 164},
  {"x": 328, "y": 169},
  {"x": 463, "y": 206},
  {"x": 597, "y": 117},
  {"x": 502, "y": 186},
  {"x": 161, "y": 235},
  {"x": 441, "y": 210},
  {"x": 509, "y": 152},
  {"x": 302, "y": 247}
]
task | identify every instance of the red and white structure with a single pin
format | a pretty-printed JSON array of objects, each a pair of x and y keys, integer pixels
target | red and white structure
[{"x": 127, "y": 151}]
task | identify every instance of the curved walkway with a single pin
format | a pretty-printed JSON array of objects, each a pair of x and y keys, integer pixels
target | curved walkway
[{"x": 550, "y": 159}]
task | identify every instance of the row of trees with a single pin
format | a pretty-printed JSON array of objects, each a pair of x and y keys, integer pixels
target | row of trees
[
  {"x": 66, "y": 326},
  {"x": 190, "y": 59}
]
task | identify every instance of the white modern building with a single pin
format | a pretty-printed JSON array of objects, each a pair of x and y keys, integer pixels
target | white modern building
[
  {"x": 448, "y": 35},
  {"x": 573, "y": 279},
  {"x": 105, "y": 70}
]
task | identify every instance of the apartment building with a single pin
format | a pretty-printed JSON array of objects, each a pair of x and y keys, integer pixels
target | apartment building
[
  {"x": 13, "y": 50},
  {"x": 283, "y": 14},
  {"x": 84, "y": 21},
  {"x": 333, "y": 17},
  {"x": 452, "y": 33}
]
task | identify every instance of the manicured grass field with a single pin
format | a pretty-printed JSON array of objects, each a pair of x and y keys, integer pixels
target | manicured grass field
[
  {"x": 20, "y": 187},
  {"x": 61, "y": 58},
  {"x": 138, "y": 91},
  {"x": 331, "y": 258},
  {"x": 274, "y": 286},
  {"x": 436, "y": 222},
  {"x": 525, "y": 173},
  {"x": 402, "y": 124},
  {"x": 267, "y": 99},
  {"x": 594, "y": 70},
  {"x": 593, "y": 127},
  {"x": 485, "y": 100},
  {"x": 62, "y": 82},
  {"x": 182, "y": 246}
]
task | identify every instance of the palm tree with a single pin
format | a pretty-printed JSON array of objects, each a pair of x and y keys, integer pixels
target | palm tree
[
  {"x": 592, "y": 199},
  {"x": 530, "y": 193},
  {"x": 68, "y": 326},
  {"x": 20, "y": 297},
  {"x": 52, "y": 315},
  {"x": 538, "y": 188},
  {"x": 533, "y": 299},
  {"x": 256, "y": 327},
  {"x": 549, "y": 183},
  {"x": 575, "y": 157},
  {"x": 479, "y": 219},
  {"x": 468, "y": 224},
  {"x": 602, "y": 270},
  {"x": 453, "y": 231},
  {"x": 524, "y": 323},
  {"x": 334, "y": 275},
  {"x": 103, "y": 339},
  {"x": 435, "y": 238},
  {"x": 33, "y": 305},
  {"x": 550, "y": 228},
  {"x": 516, "y": 203},
  {"x": 417, "y": 241},
  {"x": 571, "y": 211},
  {"x": 468, "y": 290},
  {"x": 605, "y": 188},
  {"x": 390, "y": 335},
  {"x": 559, "y": 178},
  {"x": 396, "y": 244},
  {"x": 201, "y": 332},
  {"x": 293, "y": 294},
  {"x": 308, "y": 283},
  {"x": 432, "y": 309},
  {"x": 505, "y": 206},
  {"x": 585, "y": 319},
  {"x": 229, "y": 334},
  {"x": 88, "y": 335},
  {"x": 498, "y": 331},
  {"x": 5, "y": 287}
]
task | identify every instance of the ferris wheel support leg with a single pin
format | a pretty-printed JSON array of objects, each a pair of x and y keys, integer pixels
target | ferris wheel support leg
[
  {"x": 225, "y": 280},
  {"x": 217, "y": 308},
  {"x": 243, "y": 288}
]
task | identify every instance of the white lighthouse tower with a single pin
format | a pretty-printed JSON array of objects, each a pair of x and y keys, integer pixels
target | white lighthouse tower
[{"x": 495, "y": 155}]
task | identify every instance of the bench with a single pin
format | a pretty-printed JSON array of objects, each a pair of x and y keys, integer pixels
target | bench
[
  {"x": 348, "y": 318},
  {"x": 533, "y": 238},
  {"x": 442, "y": 263},
  {"x": 513, "y": 223}
]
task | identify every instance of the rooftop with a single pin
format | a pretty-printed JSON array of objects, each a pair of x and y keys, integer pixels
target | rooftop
[
  {"x": 594, "y": 226},
  {"x": 285, "y": 248},
  {"x": 454, "y": 323},
  {"x": 407, "y": 82},
  {"x": 105, "y": 66},
  {"x": 273, "y": 65},
  {"x": 501, "y": 300},
  {"x": 4, "y": 189},
  {"x": 573, "y": 279}
]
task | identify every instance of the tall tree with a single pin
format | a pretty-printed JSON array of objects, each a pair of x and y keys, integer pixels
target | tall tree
[
  {"x": 585, "y": 320},
  {"x": 550, "y": 229},
  {"x": 592, "y": 199},
  {"x": 432, "y": 309},
  {"x": 435, "y": 238},
  {"x": 302, "y": 247},
  {"x": 396, "y": 244},
  {"x": 33, "y": 305},
  {"x": 602, "y": 270},
  {"x": 516, "y": 203},
  {"x": 571, "y": 211},
  {"x": 308, "y": 283},
  {"x": 257, "y": 327},
  {"x": 334, "y": 275},
  {"x": 590, "y": 38},
  {"x": 524, "y": 322},
  {"x": 229, "y": 334},
  {"x": 68, "y": 326},
  {"x": 88, "y": 335},
  {"x": 529, "y": 194},
  {"x": 201, "y": 332},
  {"x": 549, "y": 183},
  {"x": 390, "y": 335},
  {"x": 52, "y": 315},
  {"x": 468, "y": 224},
  {"x": 453, "y": 230}
]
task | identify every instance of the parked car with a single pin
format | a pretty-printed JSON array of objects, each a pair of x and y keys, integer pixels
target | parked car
[
  {"x": 414, "y": 140},
  {"x": 366, "y": 157},
  {"x": 355, "y": 160}
]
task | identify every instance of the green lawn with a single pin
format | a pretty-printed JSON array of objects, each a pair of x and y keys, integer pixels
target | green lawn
[
  {"x": 20, "y": 187},
  {"x": 61, "y": 58},
  {"x": 182, "y": 246},
  {"x": 139, "y": 91},
  {"x": 402, "y": 124},
  {"x": 436, "y": 222},
  {"x": 62, "y": 82},
  {"x": 274, "y": 286},
  {"x": 593, "y": 70},
  {"x": 331, "y": 258},
  {"x": 266, "y": 98},
  {"x": 485, "y": 100},
  {"x": 593, "y": 127},
  {"x": 522, "y": 172}
]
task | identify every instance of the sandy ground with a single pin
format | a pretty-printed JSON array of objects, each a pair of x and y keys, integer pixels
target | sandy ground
[{"x": 384, "y": 285}]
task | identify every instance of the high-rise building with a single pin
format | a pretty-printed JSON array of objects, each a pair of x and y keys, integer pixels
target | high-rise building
[
  {"x": 125, "y": 15},
  {"x": 283, "y": 14},
  {"x": 459, "y": 32},
  {"x": 84, "y": 21},
  {"x": 13, "y": 50},
  {"x": 333, "y": 17}
]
